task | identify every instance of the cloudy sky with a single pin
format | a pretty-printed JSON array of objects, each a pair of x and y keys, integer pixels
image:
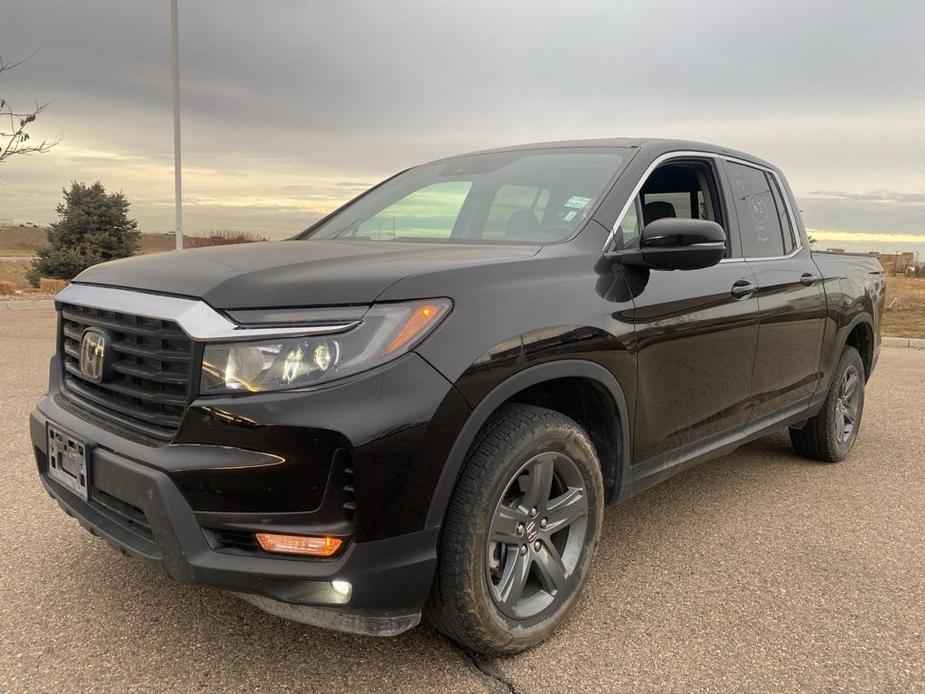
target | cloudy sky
[{"x": 292, "y": 106}]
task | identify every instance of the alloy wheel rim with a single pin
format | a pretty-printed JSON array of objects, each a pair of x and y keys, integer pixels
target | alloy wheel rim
[
  {"x": 847, "y": 404},
  {"x": 537, "y": 535}
]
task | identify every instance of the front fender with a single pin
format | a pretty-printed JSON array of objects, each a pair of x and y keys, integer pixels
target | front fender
[{"x": 530, "y": 376}]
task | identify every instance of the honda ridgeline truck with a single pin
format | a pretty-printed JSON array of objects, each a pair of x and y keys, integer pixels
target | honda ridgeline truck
[{"x": 423, "y": 403}]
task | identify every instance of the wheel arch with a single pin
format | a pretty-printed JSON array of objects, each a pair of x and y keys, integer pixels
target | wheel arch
[
  {"x": 525, "y": 386},
  {"x": 859, "y": 334}
]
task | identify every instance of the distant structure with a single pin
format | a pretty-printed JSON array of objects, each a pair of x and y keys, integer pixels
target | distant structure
[
  {"x": 834, "y": 250},
  {"x": 897, "y": 263}
]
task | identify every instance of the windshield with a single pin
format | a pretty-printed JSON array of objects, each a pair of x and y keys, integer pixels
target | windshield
[{"x": 528, "y": 196}]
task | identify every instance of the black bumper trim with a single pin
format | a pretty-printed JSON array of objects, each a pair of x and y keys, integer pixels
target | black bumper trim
[{"x": 391, "y": 576}]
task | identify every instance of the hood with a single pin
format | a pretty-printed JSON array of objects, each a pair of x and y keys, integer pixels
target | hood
[{"x": 293, "y": 273}]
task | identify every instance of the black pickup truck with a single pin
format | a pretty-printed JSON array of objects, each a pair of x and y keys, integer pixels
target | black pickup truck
[{"x": 423, "y": 403}]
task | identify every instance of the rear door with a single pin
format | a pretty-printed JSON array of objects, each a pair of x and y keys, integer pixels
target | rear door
[
  {"x": 696, "y": 330},
  {"x": 791, "y": 300}
]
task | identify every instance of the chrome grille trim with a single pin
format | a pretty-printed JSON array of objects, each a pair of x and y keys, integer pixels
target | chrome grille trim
[{"x": 196, "y": 318}]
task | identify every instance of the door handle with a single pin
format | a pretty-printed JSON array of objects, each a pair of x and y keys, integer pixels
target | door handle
[
  {"x": 742, "y": 289},
  {"x": 808, "y": 279}
]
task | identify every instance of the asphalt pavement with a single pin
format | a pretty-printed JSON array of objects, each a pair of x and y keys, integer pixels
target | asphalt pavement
[{"x": 756, "y": 572}]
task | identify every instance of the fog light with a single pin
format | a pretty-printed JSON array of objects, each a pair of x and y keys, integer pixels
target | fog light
[
  {"x": 342, "y": 588},
  {"x": 305, "y": 545}
]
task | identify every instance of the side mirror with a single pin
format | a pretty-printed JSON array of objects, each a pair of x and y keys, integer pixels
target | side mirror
[{"x": 680, "y": 244}]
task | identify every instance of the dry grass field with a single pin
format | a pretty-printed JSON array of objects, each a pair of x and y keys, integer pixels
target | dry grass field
[
  {"x": 20, "y": 240},
  {"x": 19, "y": 243},
  {"x": 14, "y": 271},
  {"x": 904, "y": 314}
]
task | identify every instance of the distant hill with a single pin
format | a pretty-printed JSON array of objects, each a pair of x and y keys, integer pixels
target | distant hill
[
  {"x": 21, "y": 240},
  {"x": 19, "y": 243},
  {"x": 24, "y": 241}
]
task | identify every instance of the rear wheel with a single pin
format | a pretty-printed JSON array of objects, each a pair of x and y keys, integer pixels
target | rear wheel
[
  {"x": 830, "y": 435},
  {"x": 520, "y": 532}
]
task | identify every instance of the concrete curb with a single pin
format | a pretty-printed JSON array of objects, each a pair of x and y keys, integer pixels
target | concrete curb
[
  {"x": 913, "y": 342},
  {"x": 26, "y": 304}
]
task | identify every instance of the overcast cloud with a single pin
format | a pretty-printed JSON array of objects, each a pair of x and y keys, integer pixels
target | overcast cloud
[{"x": 291, "y": 106}]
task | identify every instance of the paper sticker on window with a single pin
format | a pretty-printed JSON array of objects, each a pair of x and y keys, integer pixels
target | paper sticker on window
[
  {"x": 577, "y": 202},
  {"x": 570, "y": 215}
]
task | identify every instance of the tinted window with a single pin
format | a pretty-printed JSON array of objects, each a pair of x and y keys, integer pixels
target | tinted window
[
  {"x": 680, "y": 202},
  {"x": 524, "y": 196},
  {"x": 628, "y": 233},
  {"x": 788, "y": 230},
  {"x": 759, "y": 220},
  {"x": 685, "y": 190}
]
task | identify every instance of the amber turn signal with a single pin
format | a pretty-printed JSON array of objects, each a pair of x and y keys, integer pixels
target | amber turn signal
[
  {"x": 306, "y": 545},
  {"x": 420, "y": 321}
]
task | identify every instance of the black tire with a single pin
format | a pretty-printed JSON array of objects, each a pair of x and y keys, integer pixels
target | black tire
[
  {"x": 827, "y": 437},
  {"x": 509, "y": 461}
]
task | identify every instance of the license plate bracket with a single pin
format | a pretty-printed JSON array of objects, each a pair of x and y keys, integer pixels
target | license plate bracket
[{"x": 68, "y": 460}]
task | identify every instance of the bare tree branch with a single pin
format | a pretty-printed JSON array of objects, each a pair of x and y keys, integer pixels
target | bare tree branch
[
  {"x": 14, "y": 138},
  {"x": 9, "y": 66}
]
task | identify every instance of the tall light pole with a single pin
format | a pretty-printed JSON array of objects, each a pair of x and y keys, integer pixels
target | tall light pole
[{"x": 175, "y": 60}]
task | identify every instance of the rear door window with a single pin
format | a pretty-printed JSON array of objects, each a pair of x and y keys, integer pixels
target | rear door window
[
  {"x": 788, "y": 231},
  {"x": 757, "y": 210}
]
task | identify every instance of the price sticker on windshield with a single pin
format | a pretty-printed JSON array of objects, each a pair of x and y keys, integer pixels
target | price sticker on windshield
[{"x": 577, "y": 202}]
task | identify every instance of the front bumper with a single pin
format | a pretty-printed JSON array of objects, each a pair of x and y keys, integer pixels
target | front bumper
[{"x": 138, "y": 503}]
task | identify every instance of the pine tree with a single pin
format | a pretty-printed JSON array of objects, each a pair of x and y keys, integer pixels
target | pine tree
[{"x": 93, "y": 227}]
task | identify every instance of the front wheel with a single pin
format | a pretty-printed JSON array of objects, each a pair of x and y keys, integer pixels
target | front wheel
[
  {"x": 830, "y": 435},
  {"x": 519, "y": 533}
]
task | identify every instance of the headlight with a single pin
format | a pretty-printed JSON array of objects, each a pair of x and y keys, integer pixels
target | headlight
[{"x": 386, "y": 332}]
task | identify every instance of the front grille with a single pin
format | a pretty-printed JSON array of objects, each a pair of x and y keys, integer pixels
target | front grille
[{"x": 152, "y": 371}]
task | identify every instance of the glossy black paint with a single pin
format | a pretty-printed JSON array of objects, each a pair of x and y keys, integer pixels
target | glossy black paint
[
  {"x": 791, "y": 313},
  {"x": 394, "y": 425},
  {"x": 389, "y": 577},
  {"x": 681, "y": 244},
  {"x": 694, "y": 353},
  {"x": 292, "y": 273},
  {"x": 664, "y": 368}
]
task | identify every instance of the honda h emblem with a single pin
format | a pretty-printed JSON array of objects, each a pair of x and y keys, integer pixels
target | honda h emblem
[{"x": 93, "y": 355}]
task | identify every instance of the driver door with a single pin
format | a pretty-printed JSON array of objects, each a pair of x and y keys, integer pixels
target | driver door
[{"x": 696, "y": 330}]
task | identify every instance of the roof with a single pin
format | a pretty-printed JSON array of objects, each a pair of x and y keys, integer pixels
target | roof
[{"x": 652, "y": 146}]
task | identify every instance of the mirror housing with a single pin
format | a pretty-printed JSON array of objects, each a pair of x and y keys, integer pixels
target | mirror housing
[{"x": 671, "y": 243}]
